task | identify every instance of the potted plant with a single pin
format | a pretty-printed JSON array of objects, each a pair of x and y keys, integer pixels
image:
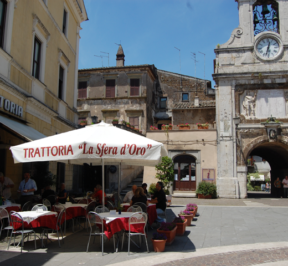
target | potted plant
[
  {"x": 153, "y": 128},
  {"x": 124, "y": 123},
  {"x": 132, "y": 127},
  {"x": 202, "y": 126},
  {"x": 115, "y": 121},
  {"x": 137, "y": 129},
  {"x": 206, "y": 190},
  {"x": 140, "y": 131},
  {"x": 181, "y": 224},
  {"x": 159, "y": 242},
  {"x": 187, "y": 215},
  {"x": 193, "y": 205},
  {"x": 169, "y": 229},
  {"x": 167, "y": 127},
  {"x": 83, "y": 122},
  {"x": 152, "y": 189},
  {"x": 191, "y": 210},
  {"x": 127, "y": 124},
  {"x": 183, "y": 126}
]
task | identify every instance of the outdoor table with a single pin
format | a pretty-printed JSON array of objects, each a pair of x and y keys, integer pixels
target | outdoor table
[
  {"x": 35, "y": 219},
  {"x": 12, "y": 207},
  {"x": 114, "y": 223},
  {"x": 151, "y": 211},
  {"x": 73, "y": 210}
]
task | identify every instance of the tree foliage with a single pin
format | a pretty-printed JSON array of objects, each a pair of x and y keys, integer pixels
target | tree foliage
[{"x": 165, "y": 172}]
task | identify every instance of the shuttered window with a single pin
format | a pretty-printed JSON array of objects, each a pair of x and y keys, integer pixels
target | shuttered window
[
  {"x": 110, "y": 88},
  {"x": 163, "y": 101},
  {"x": 36, "y": 58},
  {"x": 134, "y": 121},
  {"x": 64, "y": 26},
  {"x": 82, "y": 90},
  {"x": 61, "y": 83},
  {"x": 134, "y": 87}
]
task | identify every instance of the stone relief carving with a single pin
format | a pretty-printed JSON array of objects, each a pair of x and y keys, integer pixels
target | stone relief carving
[
  {"x": 234, "y": 38},
  {"x": 225, "y": 124},
  {"x": 249, "y": 104}
]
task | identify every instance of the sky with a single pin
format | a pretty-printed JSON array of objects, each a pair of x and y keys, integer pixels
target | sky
[{"x": 148, "y": 31}]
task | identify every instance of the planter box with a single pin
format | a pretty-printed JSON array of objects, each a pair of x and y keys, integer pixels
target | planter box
[
  {"x": 159, "y": 245},
  {"x": 115, "y": 123},
  {"x": 200, "y": 127},
  {"x": 201, "y": 196},
  {"x": 184, "y": 128},
  {"x": 189, "y": 218},
  {"x": 170, "y": 235},
  {"x": 181, "y": 228}
]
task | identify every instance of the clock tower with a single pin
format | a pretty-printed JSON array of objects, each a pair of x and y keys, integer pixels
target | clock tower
[{"x": 251, "y": 76}]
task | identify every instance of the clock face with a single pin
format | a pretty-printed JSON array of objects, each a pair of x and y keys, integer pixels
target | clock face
[{"x": 268, "y": 48}]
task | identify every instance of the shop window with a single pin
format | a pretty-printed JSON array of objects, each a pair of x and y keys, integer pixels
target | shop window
[
  {"x": 185, "y": 97},
  {"x": 163, "y": 102},
  {"x": 110, "y": 88},
  {"x": 134, "y": 87},
  {"x": 134, "y": 121},
  {"x": 36, "y": 58},
  {"x": 3, "y": 8},
  {"x": 61, "y": 83},
  {"x": 82, "y": 89}
]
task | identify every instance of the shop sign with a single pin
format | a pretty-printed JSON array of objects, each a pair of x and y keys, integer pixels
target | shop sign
[{"x": 11, "y": 107}]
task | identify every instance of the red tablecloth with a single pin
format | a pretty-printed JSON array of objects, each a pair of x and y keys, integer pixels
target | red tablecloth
[
  {"x": 71, "y": 212},
  {"x": 121, "y": 224},
  {"x": 48, "y": 221},
  {"x": 13, "y": 208},
  {"x": 151, "y": 211}
]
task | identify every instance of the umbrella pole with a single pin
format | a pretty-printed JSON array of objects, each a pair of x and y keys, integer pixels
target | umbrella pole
[
  {"x": 103, "y": 185},
  {"x": 119, "y": 179}
]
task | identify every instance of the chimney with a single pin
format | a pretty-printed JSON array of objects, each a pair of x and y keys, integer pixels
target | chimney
[{"x": 120, "y": 57}]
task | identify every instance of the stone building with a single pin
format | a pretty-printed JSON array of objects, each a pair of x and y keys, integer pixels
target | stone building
[
  {"x": 251, "y": 86},
  {"x": 146, "y": 96},
  {"x": 39, "y": 43},
  {"x": 180, "y": 99}
]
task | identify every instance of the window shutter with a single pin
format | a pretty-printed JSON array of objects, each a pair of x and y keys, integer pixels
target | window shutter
[
  {"x": 134, "y": 121},
  {"x": 134, "y": 87},
  {"x": 110, "y": 88},
  {"x": 82, "y": 90}
]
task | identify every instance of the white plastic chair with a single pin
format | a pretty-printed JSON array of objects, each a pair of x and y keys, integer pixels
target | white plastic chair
[
  {"x": 39, "y": 206},
  {"x": 134, "y": 209},
  {"x": 100, "y": 209},
  {"x": 136, "y": 219},
  {"x": 47, "y": 203},
  {"x": 96, "y": 220},
  {"x": 5, "y": 215}
]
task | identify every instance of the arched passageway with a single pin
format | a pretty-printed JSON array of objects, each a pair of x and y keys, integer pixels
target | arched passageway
[{"x": 276, "y": 154}]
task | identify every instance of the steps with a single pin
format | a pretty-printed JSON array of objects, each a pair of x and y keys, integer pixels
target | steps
[{"x": 138, "y": 181}]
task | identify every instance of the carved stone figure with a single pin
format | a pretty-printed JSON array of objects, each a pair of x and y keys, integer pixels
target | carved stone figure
[{"x": 249, "y": 104}]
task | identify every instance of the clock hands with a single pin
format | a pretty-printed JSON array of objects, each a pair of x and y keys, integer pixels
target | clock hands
[{"x": 268, "y": 49}]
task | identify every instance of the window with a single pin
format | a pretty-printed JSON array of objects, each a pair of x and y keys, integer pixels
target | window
[
  {"x": 163, "y": 101},
  {"x": 36, "y": 58},
  {"x": 3, "y": 8},
  {"x": 61, "y": 83},
  {"x": 64, "y": 27},
  {"x": 110, "y": 88},
  {"x": 134, "y": 87},
  {"x": 185, "y": 97},
  {"x": 134, "y": 121},
  {"x": 82, "y": 90}
]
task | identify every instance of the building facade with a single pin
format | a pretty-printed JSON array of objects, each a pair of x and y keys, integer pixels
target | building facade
[
  {"x": 251, "y": 95},
  {"x": 38, "y": 76}
]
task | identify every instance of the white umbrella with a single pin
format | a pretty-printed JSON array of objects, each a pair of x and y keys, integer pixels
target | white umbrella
[{"x": 94, "y": 145}]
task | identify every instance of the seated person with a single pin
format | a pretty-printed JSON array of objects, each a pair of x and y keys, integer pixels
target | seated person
[
  {"x": 48, "y": 192},
  {"x": 98, "y": 194},
  {"x": 129, "y": 195},
  {"x": 139, "y": 197},
  {"x": 159, "y": 198},
  {"x": 62, "y": 196},
  {"x": 144, "y": 186}
]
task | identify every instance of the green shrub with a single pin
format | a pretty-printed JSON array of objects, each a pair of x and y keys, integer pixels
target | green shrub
[
  {"x": 257, "y": 188},
  {"x": 152, "y": 188},
  {"x": 207, "y": 188},
  {"x": 250, "y": 187},
  {"x": 165, "y": 173}
]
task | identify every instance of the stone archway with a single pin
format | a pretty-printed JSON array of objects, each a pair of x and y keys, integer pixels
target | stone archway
[{"x": 275, "y": 153}]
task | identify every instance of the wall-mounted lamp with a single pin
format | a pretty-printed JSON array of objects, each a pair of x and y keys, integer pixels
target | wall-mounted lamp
[{"x": 236, "y": 121}]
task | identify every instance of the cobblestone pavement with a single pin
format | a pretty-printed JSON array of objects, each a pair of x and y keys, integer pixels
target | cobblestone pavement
[{"x": 241, "y": 258}]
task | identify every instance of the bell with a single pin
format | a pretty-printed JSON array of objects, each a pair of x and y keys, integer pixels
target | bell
[
  {"x": 256, "y": 20},
  {"x": 265, "y": 10},
  {"x": 275, "y": 18}
]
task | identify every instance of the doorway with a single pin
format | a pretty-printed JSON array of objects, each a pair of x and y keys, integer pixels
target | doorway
[
  {"x": 185, "y": 173},
  {"x": 276, "y": 154}
]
